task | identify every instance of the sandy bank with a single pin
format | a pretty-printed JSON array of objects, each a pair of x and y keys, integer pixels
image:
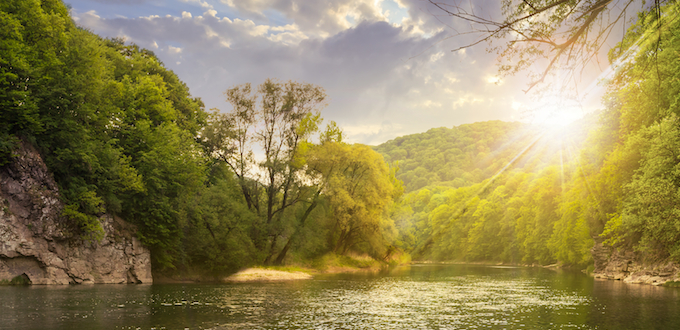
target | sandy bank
[{"x": 266, "y": 275}]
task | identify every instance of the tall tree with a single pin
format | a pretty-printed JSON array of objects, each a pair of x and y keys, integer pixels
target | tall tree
[{"x": 276, "y": 120}]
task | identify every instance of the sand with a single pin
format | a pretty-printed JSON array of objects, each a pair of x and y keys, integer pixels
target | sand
[{"x": 266, "y": 275}]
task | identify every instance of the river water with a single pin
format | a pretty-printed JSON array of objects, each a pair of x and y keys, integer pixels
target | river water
[{"x": 409, "y": 297}]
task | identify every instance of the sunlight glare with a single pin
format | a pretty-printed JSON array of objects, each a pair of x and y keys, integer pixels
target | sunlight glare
[{"x": 554, "y": 111}]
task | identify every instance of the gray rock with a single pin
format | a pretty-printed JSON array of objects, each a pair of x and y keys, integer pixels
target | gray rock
[
  {"x": 36, "y": 241},
  {"x": 631, "y": 267}
]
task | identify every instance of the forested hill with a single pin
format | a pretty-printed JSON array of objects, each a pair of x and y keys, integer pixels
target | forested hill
[
  {"x": 617, "y": 188},
  {"x": 491, "y": 191},
  {"x": 457, "y": 156},
  {"x": 470, "y": 153}
]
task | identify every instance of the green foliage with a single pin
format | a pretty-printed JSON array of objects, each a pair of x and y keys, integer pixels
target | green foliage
[
  {"x": 359, "y": 189},
  {"x": 332, "y": 260},
  {"x": 216, "y": 237},
  {"x": 114, "y": 126},
  {"x": 17, "y": 280},
  {"x": 652, "y": 208},
  {"x": 644, "y": 96},
  {"x": 672, "y": 284},
  {"x": 309, "y": 198},
  {"x": 8, "y": 143},
  {"x": 89, "y": 225},
  {"x": 518, "y": 215}
]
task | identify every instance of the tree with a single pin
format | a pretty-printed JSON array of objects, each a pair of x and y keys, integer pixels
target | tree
[
  {"x": 279, "y": 119},
  {"x": 360, "y": 189},
  {"x": 565, "y": 34},
  {"x": 320, "y": 165}
]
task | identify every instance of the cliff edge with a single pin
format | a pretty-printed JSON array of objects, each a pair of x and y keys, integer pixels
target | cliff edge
[{"x": 35, "y": 241}]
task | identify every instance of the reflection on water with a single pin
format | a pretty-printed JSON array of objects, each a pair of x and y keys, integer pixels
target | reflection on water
[{"x": 412, "y": 297}]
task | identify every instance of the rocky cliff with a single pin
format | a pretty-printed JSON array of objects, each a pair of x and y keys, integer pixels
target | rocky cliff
[
  {"x": 631, "y": 267},
  {"x": 35, "y": 241}
]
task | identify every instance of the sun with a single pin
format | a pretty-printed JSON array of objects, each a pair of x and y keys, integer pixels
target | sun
[{"x": 555, "y": 111}]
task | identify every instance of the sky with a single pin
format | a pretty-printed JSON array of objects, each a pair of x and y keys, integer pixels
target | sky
[{"x": 387, "y": 65}]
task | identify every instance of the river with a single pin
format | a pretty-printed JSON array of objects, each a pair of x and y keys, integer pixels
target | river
[{"x": 408, "y": 297}]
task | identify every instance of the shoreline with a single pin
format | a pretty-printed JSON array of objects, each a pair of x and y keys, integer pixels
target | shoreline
[
  {"x": 265, "y": 274},
  {"x": 295, "y": 273}
]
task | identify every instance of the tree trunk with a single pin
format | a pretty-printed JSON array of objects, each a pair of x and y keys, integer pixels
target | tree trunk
[
  {"x": 282, "y": 254},
  {"x": 271, "y": 250}
]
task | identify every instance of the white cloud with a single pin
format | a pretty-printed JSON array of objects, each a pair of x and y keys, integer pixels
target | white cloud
[
  {"x": 320, "y": 18},
  {"x": 199, "y": 2},
  {"x": 288, "y": 38},
  {"x": 186, "y": 14},
  {"x": 93, "y": 14},
  {"x": 435, "y": 57},
  {"x": 174, "y": 50}
]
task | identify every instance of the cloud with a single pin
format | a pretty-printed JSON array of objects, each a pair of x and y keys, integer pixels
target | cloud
[
  {"x": 203, "y": 4},
  {"x": 174, "y": 50},
  {"x": 382, "y": 80},
  {"x": 118, "y": 2},
  {"x": 319, "y": 18}
]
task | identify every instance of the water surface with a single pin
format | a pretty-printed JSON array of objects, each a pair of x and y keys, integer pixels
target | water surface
[{"x": 411, "y": 297}]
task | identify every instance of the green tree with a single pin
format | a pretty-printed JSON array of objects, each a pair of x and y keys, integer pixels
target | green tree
[
  {"x": 359, "y": 191},
  {"x": 278, "y": 119}
]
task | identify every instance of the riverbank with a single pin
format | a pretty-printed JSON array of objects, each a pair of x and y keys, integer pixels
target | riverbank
[
  {"x": 301, "y": 270},
  {"x": 631, "y": 267}
]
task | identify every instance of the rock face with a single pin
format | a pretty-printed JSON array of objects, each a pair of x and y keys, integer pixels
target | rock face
[
  {"x": 628, "y": 266},
  {"x": 35, "y": 240}
]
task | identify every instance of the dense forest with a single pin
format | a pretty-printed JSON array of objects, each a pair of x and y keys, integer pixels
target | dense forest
[{"x": 266, "y": 182}]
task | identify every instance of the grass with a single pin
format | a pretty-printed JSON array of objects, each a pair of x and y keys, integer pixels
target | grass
[
  {"x": 672, "y": 284},
  {"x": 17, "y": 280},
  {"x": 290, "y": 269},
  {"x": 334, "y": 261},
  {"x": 590, "y": 269}
]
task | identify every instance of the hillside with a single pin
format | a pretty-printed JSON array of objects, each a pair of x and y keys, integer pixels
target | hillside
[
  {"x": 489, "y": 191},
  {"x": 470, "y": 153}
]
